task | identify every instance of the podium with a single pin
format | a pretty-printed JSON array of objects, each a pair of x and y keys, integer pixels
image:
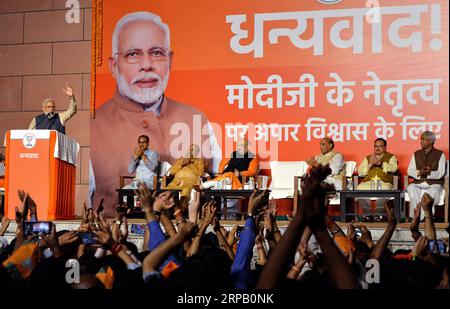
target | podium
[{"x": 42, "y": 163}]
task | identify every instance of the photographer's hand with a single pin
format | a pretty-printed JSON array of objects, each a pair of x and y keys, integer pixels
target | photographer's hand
[
  {"x": 68, "y": 238},
  {"x": 351, "y": 232},
  {"x": 366, "y": 236},
  {"x": 5, "y": 223},
  {"x": 52, "y": 242}
]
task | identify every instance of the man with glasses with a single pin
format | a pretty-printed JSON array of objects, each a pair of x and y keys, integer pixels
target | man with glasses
[
  {"x": 378, "y": 170},
  {"x": 143, "y": 162},
  {"x": 140, "y": 63},
  {"x": 427, "y": 168},
  {"x": 329, "y": 156},
  {"x": 49, "y": 120}
]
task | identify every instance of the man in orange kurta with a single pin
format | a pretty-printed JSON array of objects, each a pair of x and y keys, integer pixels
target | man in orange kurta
[{"x": 241, "y": 163}]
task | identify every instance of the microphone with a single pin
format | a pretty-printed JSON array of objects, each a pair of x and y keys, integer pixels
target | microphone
[{"x": 49, "y": 116}]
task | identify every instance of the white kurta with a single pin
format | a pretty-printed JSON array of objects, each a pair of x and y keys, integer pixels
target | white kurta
[
  {"x": 337, "y": 166},
  {"x": 416, "y": 190}
]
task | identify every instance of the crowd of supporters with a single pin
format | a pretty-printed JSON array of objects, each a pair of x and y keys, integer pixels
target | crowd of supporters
[{"x": 186, "y": 247}]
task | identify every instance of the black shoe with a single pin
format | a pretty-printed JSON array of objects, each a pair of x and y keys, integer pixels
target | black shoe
[
  {"x": 378, "y": 219},
  {"x": 367, "y": 219}
]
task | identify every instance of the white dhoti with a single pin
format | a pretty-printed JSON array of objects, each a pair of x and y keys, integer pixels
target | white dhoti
[
  {"x": 135, "y": 184},
  {"x": 415, "y": 192},
  {"x": 334, "y": 180}
]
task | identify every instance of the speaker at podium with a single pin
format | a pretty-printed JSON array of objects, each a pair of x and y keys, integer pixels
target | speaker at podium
[{"x": 42, "y": 163}]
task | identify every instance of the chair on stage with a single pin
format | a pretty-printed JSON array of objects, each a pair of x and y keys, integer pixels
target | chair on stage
[
  {"x": 347, "y": 184},
  {"x": 158, "y": 180},
  {"x": 286, "y": 179}
]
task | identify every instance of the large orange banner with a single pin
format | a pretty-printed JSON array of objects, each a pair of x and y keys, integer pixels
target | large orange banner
[{"x": 291, "y": 72}]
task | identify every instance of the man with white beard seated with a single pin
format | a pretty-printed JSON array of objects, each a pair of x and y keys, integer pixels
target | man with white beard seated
[{"x": 140, "y": 63}]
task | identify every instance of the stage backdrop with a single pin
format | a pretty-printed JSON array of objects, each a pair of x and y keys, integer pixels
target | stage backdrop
[{"x": 291, "y": 72}]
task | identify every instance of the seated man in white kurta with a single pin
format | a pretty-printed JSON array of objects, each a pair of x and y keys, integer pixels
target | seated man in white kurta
[
  {"x": 427, "y": 167},
  {"x": 334, "y": 159}
]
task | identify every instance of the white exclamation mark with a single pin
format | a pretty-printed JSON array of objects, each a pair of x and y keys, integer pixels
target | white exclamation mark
[{"x": 435, "y": 16}]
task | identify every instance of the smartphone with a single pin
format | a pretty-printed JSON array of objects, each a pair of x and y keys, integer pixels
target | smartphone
[
  {"x": 437, "y": 244},
  {"x": 239, "y": 231},
  {"x": 87, "y": 238},
  {"x": 358, "y": 232},
  {"x": 38, "y": 227},
  {"x": 138, "y": 229}
]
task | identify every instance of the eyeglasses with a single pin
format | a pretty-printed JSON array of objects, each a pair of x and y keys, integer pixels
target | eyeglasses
[{"x": 135, "y": 55}]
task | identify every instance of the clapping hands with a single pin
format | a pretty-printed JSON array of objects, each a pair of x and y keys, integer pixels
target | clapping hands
[{"x": 137, "y": 153}]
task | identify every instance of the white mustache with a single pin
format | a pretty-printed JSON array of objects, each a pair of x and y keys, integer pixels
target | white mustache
[
  {"x": 141, "y": 95},
  {"x": 146, "y": 75}
]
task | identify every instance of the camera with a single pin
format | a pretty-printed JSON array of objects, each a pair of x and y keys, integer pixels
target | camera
[
  {"x": 138, "y": 229},
  {"x": 87, "y": 238},
  {"x": 36, "y": 228}
]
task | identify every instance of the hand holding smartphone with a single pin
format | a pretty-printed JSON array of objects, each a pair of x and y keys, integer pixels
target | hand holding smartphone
[
  {"x": 87, "y": 238},
  {"x": 37, "y": 228},
  {"x": 239, "y": 231},
  {"x": 437, "y": 245},
  {"x": 358, "y": 232},
  {"x": 138, "y": 229}
]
